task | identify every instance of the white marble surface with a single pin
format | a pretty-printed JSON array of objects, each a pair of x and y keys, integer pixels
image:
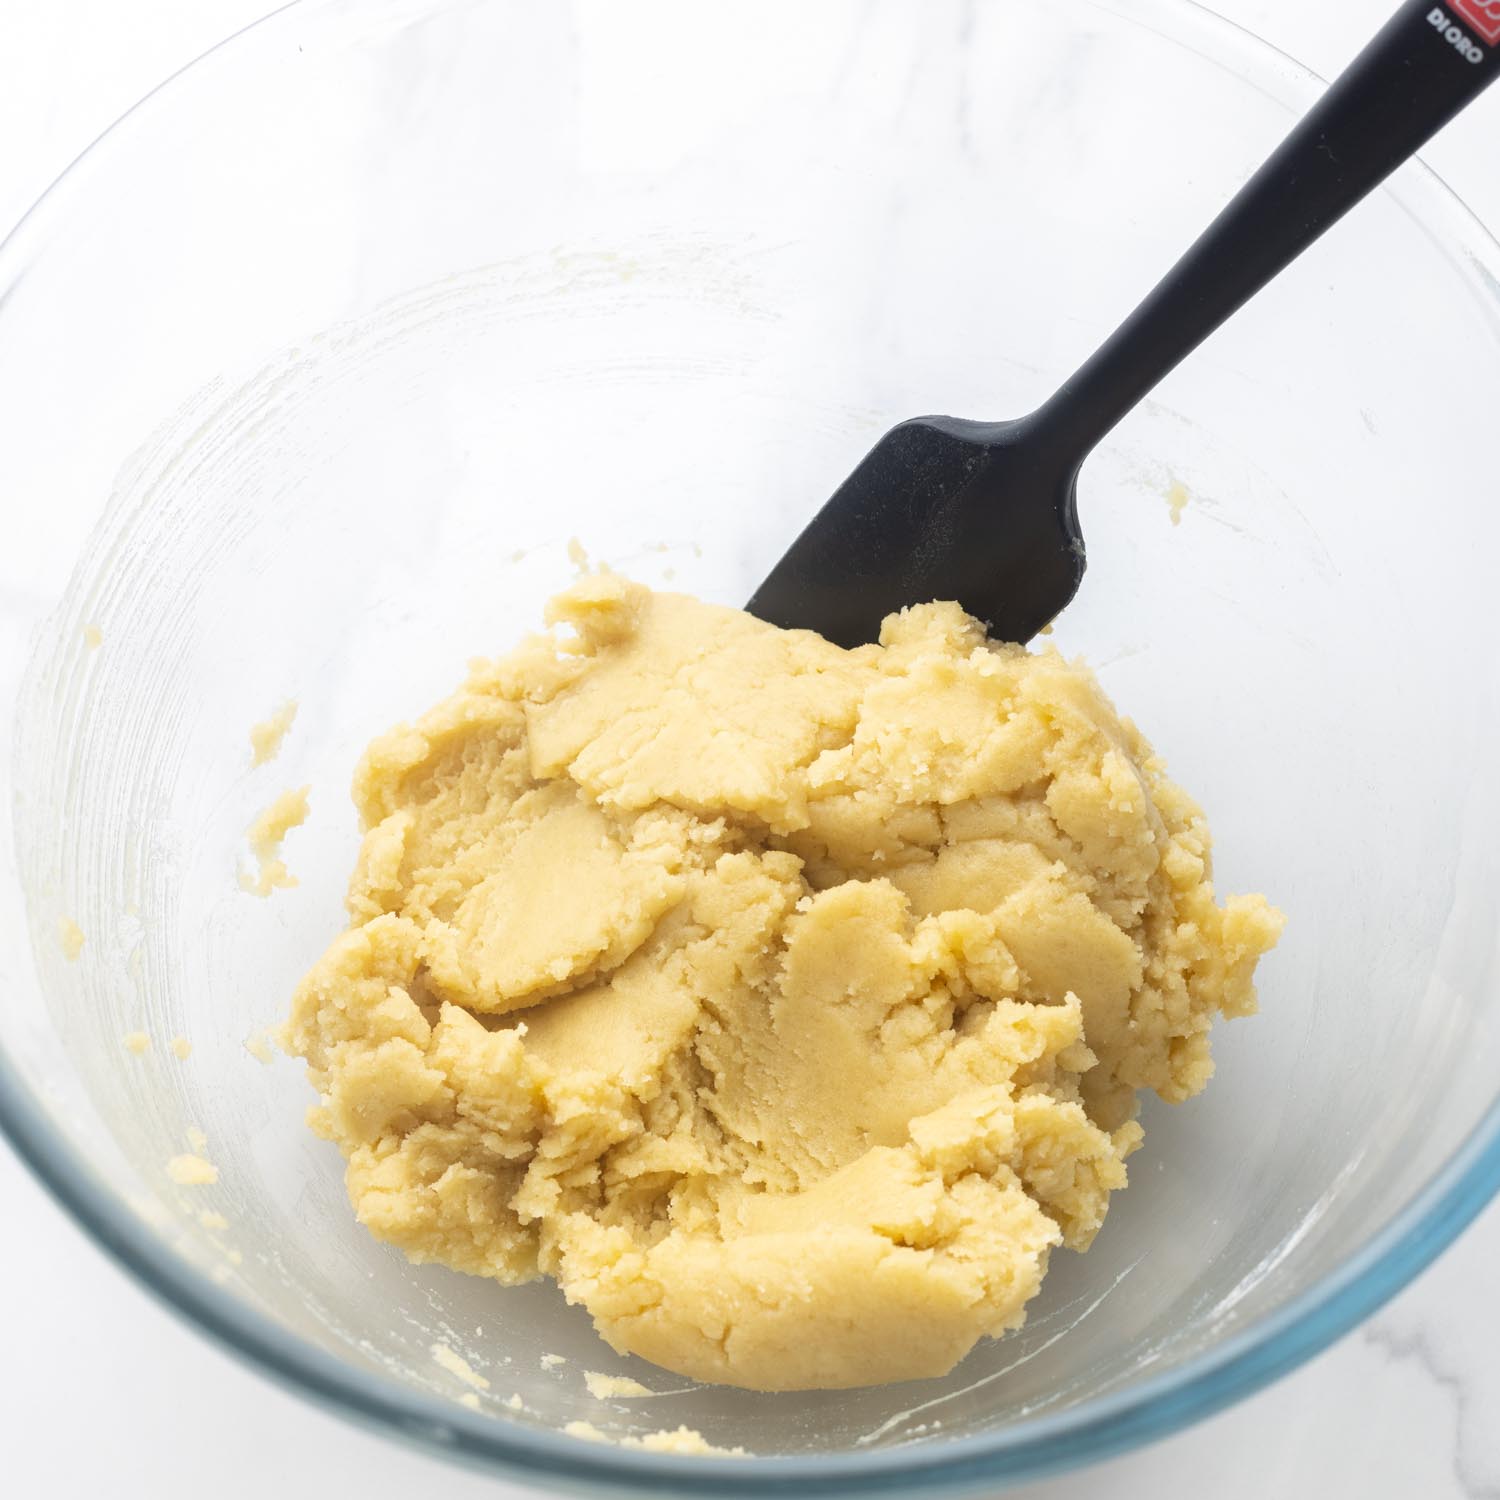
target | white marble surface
[{"x": 1403, "y": 1407}]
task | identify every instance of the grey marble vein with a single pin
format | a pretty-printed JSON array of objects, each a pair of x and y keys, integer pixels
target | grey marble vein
[{"x": 1414, "y": 1346}]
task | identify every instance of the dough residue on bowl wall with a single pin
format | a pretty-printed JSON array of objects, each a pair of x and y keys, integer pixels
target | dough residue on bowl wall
[
  {"x": 614, "y": 1387},
  {"x": 456, "y": 1364},
  {"x": 70, "y": 937},
  {"x": 266, "y": 737},
  {"x": 1178, "y": 496},
  {"x": 265, "y": 837},
  {"x": 684, "y": 1440},
  {"x": 787, "y": 1004},
  {"x": 259, "y": 1044},
  {"x": 192, "y": 1170}
]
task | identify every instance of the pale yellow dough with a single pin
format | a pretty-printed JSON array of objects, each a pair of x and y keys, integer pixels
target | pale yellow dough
[
  {"x": 787, "y": 1004},
  {"x": 265, "y": 836},
  {"x": 614, "y": 1387},
  {"x": 266, "y": 737},
  {"x": 70, "y": 935},
  {"x": 192, "y": 1170}
]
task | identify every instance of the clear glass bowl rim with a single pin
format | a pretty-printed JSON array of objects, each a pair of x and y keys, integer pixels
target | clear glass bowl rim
[{"x": 1093, "y": 1430}]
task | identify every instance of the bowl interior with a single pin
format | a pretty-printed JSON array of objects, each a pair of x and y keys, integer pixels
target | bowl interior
[{"x": 319, "y": 362}]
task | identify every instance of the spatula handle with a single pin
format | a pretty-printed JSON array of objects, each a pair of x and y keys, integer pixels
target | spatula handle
[{"x": 1424, "y": 66}]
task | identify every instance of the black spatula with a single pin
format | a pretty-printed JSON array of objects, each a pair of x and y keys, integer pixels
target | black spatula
[{"x": 986, "y": 512}]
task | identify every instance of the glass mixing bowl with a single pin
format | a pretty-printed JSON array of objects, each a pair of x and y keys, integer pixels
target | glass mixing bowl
[{"x": 312, "y": 367}]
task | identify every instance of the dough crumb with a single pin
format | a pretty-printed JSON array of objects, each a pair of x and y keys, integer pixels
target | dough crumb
[
  {"x": 182, "y": 1048},
  {"x": 681, "y": 1440},
  {"x": 551, "y": 1361},
  {"x": 577, "y": 554},
  {"x": 456, "y": 1364},
  {"x": 273, "y": 876},
  {"x": 266, "y": 737},
  {"x": 258, "y": 1045},
  {"x": 196, "y": 1139},
  {"x": 70, "y": 935},
  {"x": 265, "y": 835},
  {"x": 137, "y": 1043},
  {"x": 213, "y": 1221},
  {"x": 234, "y": 1257},
  {"x": 470, "y": 1400},
  {"x": 514, "y": 1402},
  {"x": 789, "y": 1006},
  {"x": 606, "y": 1387},
  {"x": 93, "y": 637},
  {"x": 1177, "y": 498},
  {"x": 192, "y": 1171}
]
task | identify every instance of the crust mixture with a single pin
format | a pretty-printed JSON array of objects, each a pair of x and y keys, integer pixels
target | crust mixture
[{"x": 787, "y": 1004}]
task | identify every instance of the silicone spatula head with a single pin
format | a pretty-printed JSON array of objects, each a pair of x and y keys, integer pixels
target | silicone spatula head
[{"x": 940, "y": 508}]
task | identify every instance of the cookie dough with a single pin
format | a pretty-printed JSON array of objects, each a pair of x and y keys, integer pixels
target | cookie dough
[{"x": 787, "y": 1004}]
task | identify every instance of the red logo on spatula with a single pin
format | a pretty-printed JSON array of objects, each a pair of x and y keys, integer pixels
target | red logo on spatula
[{"x": 1482, "y": 17}]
